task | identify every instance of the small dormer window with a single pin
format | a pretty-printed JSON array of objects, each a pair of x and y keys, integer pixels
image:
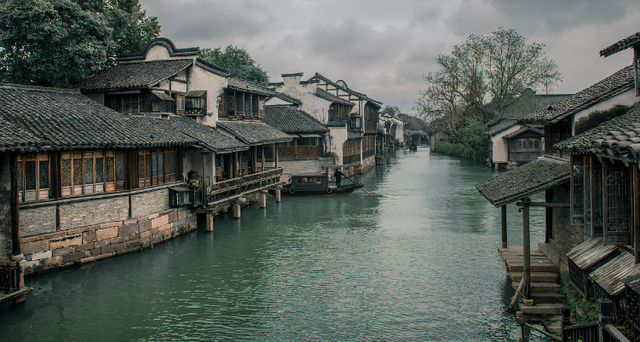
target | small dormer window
[
  {"x": 161, "y": 102},
  {"x": 196, "y": 102}
]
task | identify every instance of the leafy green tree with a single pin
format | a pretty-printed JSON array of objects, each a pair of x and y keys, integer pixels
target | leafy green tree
[
  {"x": 61, "y": 42},
  {"x": 132, "y": 29},
  {"x": 479, "y": 80},
  {"x": 238, "y": 61}
]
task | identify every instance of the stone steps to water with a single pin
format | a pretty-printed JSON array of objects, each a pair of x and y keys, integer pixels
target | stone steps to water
[
  {"x": 546, "y": 309},
  {"x": 542, "y": 277},
  {"x": 541, "y": 287},
  {"x": 545, "y": 284}
]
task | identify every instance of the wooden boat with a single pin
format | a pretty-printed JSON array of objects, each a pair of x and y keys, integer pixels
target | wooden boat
[{"x": 317, "y": 184}]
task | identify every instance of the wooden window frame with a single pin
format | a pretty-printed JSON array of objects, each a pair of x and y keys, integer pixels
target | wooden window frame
[
  {"x": 577, "y": 188},
  {"x": 95, "y": 186},
  {"x": 38, "y": 193},
  {"x": 615, "y": 237}
]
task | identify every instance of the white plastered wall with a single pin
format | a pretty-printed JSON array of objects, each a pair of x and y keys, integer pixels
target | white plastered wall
[
  {"x": 200, "y": 79},
  {"x": 628, "y": 98},
  {"x": 501, "y": 146}
]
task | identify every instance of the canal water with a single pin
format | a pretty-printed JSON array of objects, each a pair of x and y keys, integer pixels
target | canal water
[{"x": 414, "y": 260}]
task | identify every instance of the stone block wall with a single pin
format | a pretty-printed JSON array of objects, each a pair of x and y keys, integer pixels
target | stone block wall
[
  {"x": 91, "y": 212},
  {"x": 6, "y": 246},
  {"x": 149, "y": 202},
  {"x": 80, "y": 245},
  {"x": 38, "y": 220}
]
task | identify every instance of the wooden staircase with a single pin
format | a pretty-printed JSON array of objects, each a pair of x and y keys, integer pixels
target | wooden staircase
[{"x": 545, "y": 285}]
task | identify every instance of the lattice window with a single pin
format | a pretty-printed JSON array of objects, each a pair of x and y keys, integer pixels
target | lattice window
[
  {"x": 110, "y": 169},
  {"x": 88, "y": 172},
  {"x": 597, "y": 199},
  {"x": 618, "y": 208},
  {"x": 578, "y": 189},
  {"x": 239, "y": 105},
  {"x": 33, "y": 176}
]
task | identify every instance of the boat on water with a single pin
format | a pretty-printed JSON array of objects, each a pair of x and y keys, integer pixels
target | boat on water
[{"x": 317, "y": 184}]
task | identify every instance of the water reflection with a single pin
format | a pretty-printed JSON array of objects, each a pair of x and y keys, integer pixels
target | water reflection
[{"x": 415, "y": 260}]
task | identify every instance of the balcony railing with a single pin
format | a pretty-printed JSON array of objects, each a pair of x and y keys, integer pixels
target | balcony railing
[
  {"x": 9, "y": 277},
  {"x": 228, "y": 189},
  {"x": 352, "y": 159},
  {"x": 298, "y": 152},
  {"x": 521, "y": 157}
]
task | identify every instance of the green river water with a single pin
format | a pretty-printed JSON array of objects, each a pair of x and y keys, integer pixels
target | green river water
[{"x": 415, "y": 260}]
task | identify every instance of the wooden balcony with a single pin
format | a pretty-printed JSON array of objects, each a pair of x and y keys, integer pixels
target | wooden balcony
[
  {"x": 237, "y": 187},
  {"x": 298, "y": 152},
  {"x": 523, "y": 157}
]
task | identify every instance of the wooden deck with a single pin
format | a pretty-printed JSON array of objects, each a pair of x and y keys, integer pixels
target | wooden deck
[
  {"x": 15, "y": 295},
  {"x": 545, "y": 284}
]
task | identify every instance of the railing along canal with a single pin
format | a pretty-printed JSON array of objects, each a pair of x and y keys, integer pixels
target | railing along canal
[
  {"x": 236, "y": 186},
  {"x": 9, "y": 277}
]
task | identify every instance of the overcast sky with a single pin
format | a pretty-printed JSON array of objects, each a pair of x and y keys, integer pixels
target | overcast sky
[{"x": 383, "y": 48}]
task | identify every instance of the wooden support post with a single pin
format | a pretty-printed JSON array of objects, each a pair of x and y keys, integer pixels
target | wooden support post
[
  {"x": 205, "y": 173},
  {"x": 209, "y": 221},
  {"x": 565, "y": 323},
  {"x": 276, "y": 154},
  {"x": 262, "y": 149},
  {"x": 236, "y": 172},
  {"x": 263, "y": 199},
  {"x": 526, "y": 249},
  {"x": 278, "y": 193},
  {"x": 520, "y": 321},
  {"x": 236, "y": 209},
  {"x": 15, "y": 206},
  {"x": 636, "y": 212},
  {"x": 503, "y": 223},
  {"x": 254, "y": 159}
]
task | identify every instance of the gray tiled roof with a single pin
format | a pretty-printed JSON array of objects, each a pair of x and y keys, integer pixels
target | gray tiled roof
[
  {"x": 330, "y": 97},
  {"x": 501, "y": 126},
  {"x": 254, "y": 133},
  {"x": 134, "y": 75},
  {"x": 617, "y": 83},
  {"x": 291, "y": 120},
  {"x": 288, "y": 98},
  {"x": 212, "y": 139},
  {"x": 249, "y": 87},
  {"x": 618, "y": 137},
  {"x": 65, "y": 119},
  {"x": 523, "y": 181},
  {"x": 523, "y": 129},
  {"x": 347, "y": 90},
  {"x": 14, "y": 137},
  {"x": 621, "y": 45}
]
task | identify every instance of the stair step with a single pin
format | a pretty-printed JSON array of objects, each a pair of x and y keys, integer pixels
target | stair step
[
  {"x": 540, "y": 287},
  {"x": 546, "y": 297},
  {"x": 542, "y": 309},
  {"x": 534, "y": 267},
  {"x": 547, "y": 277}
]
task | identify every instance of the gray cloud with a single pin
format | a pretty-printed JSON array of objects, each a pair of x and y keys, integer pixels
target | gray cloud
[
  {"x": 382, "y": 48},
  {"x": 224, "y": 21}
]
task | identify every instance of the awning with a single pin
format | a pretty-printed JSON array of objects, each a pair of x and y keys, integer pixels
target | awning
[
  {"x": 309, "y": 135},
  {"x": 162, "y": 95},
  {"x": 524, "y": 181},
  {"x": 609, "y": 276}
]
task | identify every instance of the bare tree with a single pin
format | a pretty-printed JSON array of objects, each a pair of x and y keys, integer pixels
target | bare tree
[{"x": 482, "y": 77}]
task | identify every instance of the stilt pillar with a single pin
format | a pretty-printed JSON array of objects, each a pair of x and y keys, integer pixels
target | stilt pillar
[
  {"x": 503, "y": 223},
  {"x": 278, "y": 193},
  {"x": 236, "y": 209},
  {"x": 209, "y": 222},
  {"x": 526, "y": 249},
  {"x": 263, "y": 199}
]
